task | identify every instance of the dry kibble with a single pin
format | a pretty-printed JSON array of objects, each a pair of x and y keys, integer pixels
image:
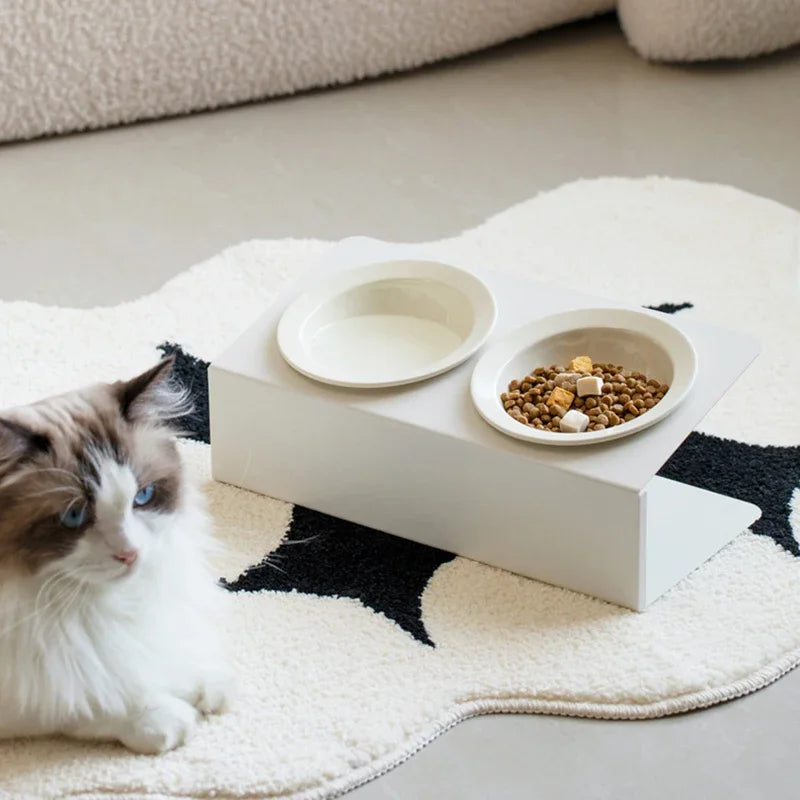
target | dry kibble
[{"x": 605, "y": 395}]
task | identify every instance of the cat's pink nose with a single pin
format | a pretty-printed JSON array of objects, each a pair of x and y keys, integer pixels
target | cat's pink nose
[{"x": 127, "y": 556}]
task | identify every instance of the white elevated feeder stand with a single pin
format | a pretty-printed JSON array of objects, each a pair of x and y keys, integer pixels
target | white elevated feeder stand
[{"x": 419, "y": 462}]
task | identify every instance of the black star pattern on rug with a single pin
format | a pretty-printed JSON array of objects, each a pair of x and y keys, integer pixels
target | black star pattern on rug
[
  {"x": 764, "y": 476},
  {"x": 327, "y": 556},
  {"x": 321, "y": 554},
  {"x": 670, "y": 308}
]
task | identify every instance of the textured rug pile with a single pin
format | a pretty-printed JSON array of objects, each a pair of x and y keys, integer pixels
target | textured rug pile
[{"x": 353, "y": 648}]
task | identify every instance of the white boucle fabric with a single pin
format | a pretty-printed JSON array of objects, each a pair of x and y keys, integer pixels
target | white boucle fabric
[
  {"x": 89, "y": 63},
  {"x": 332, "y": 693},
  {"x": 698, "y": 30},
  {"x": 70, "y": 65}
]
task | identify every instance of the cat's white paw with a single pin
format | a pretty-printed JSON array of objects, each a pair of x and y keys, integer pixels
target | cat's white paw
[
  {"x": 214, "y": 693},
  {"x": 162, "y": 725}
]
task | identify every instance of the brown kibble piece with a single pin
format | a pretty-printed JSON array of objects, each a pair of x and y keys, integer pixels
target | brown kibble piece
[
  {"x": 649, "y": 403},
  {"x": 624, "y": 398},
  {"x": 530, "y": 410}
]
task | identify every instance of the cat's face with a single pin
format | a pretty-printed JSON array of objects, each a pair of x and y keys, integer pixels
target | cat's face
[{"x": 89, "y": 480}]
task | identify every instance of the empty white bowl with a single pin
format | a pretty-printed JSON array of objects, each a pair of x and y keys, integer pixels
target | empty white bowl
[
  {"x": 387, "y": 324},
  {"x": 638, "y": 340}
]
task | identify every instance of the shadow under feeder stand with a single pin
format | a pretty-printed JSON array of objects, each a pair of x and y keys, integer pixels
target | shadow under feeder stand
[{"x": 419, "y": 462}]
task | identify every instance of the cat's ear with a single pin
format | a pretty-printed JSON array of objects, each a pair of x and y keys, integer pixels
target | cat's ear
[
  {"x": 153, "y": 396},
  {"x": 17, "y": 441}
]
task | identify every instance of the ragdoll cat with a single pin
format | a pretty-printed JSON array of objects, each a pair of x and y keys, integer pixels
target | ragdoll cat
[{"x": 107, "y": 603}]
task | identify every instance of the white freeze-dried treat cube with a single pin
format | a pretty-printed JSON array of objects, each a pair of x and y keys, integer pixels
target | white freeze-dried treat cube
[
  {"x": 574, "y": 421},
  {"x": 589, "y": 385}
]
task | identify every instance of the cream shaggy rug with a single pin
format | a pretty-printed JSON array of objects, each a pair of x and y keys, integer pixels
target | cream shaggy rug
[{"x": 343, "y": 676}]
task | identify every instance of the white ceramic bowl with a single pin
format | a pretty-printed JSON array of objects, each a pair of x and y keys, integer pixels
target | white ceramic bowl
[
  {"x": 387, "y": 324},
  {"x": 638, "y": 340}
]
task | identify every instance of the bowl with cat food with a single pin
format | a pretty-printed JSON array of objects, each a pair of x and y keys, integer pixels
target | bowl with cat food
[{"x": 584, "y": 376}]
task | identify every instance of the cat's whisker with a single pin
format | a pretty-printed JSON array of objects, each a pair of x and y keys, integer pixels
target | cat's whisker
[
  {"x": 45, "y": 589},
  {"x": 300, "y": 541},
  {"x": 268, "y": 563}
]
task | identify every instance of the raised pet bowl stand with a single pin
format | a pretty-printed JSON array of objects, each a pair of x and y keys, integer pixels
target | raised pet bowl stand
[{"x": 418, "y": 461}]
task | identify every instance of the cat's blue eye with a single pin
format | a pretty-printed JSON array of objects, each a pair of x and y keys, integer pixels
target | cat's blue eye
[
  {"x": 144, "y": 495},
  {"x": 74, "y": 516}
]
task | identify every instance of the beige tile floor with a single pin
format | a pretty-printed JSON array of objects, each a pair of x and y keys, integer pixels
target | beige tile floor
[{"x": 102, "y": 217}]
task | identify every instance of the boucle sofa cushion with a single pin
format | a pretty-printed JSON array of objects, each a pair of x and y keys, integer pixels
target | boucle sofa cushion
[
  {"x": 69, "y": 65},
  {"x": 74, "y": 64}
]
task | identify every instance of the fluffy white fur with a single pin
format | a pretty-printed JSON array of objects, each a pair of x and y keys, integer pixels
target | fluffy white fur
[{"x": 94, "y": 648}]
